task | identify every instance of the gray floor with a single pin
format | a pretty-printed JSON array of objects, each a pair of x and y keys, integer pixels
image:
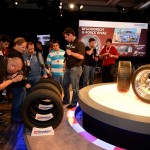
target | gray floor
[{"x": 64, "y": 138}]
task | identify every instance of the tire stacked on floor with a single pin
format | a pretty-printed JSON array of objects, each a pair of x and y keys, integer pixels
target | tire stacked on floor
[{"x": 43, "y": 106}]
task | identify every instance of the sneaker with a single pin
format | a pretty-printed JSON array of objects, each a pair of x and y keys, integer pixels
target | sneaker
[
  {"x": 2, "y": 114},
  {"x": 1, "y": 120},
  {"x": 70, "y": 106}
]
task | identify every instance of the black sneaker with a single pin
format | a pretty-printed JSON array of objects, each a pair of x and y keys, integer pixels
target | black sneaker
[
  {"x": 1, "y": 120},
  {"x": 2, "y": 114},
  {"x": 70, "y": 106}
]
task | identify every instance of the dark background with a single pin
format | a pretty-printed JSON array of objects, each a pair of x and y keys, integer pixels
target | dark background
[{"x": 28, "y": 23}]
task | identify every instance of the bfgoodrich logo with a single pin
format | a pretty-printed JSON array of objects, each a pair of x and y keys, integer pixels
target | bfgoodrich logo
[
  {"x": 44, "y": 117},
  {"x": 42, "y": 131}
]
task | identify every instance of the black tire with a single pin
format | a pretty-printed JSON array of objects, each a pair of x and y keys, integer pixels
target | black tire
[
  {"x": 42, "y": 107},
  {"x": 48, "y": 85},
  {"x": 32, "y": 113},
  {"x": 49, "y": 80},
  {"x": 124, "y": 76},
  {"x": 35, "y": 105},
  {"x": 141, "y": 83},
  {"x": 41, "y": 94}
]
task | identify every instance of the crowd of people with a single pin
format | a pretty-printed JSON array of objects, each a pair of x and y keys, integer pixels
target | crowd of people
[{"x": 65, "y": 66}]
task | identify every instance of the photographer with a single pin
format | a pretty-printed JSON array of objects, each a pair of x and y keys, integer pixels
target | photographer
[{"x": 9, "y": 66}]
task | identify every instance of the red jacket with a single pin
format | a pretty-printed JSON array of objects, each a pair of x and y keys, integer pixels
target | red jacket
[{"x": 107, "y": 60}]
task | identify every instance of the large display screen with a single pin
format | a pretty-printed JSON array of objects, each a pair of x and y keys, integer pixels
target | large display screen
[{"x": 129, "y": 38}]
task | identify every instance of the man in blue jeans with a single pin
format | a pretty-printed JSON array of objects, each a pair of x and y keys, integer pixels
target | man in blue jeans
[
  {"x": 18, "y": 89},
  {"x": 90, "y": 61},
  {"x": 74, "y": 56}
]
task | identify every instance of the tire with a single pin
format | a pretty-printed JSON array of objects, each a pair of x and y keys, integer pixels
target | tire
[
  {"x": 124, "y": 76},
  {"x": 37, "y": 104},
  {"x": 42, "y": 94},
  {"x": 49, "y": 80},
  {"x": 32, "y": 113},
  {"x": 41, "y": 107},
  {"x": 48, "y": 85},
  {"x": 141, "y": 83}
]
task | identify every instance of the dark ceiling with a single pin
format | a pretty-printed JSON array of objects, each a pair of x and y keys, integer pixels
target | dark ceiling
[
  {"x": 89, "y": 5},
  {"x": 46, "y": 14}
]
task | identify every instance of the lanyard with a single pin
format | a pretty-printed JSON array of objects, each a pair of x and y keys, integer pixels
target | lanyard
[{"x": 108, "y": 50}]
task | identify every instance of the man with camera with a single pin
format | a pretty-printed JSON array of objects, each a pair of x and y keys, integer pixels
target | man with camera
[{"x": 9, "y": 66}]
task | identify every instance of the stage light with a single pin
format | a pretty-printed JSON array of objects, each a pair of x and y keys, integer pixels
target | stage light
[
  {"x": 71, "y": 5},
  {"x": 61, "y": 3},
  {"x": 81, "y": 7},
  {"x": 16, "y": 3}
]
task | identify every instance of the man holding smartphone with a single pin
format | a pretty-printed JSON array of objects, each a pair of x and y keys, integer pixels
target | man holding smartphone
[
  {"x": 73, "y": 66},
  {"x": 108, "y": 54}
]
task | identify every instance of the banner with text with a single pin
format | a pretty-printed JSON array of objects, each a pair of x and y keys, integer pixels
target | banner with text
[{"x": 130, "y": 39}]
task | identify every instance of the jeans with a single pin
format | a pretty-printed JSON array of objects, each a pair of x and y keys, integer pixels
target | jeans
[
  {"x": 72, "y": 76},
  {"x": 88, "y": 74},
  {"x": 108, "y": 73},
  {"x": 19, "y": 94},
  {"x": 59, "y": 79}
]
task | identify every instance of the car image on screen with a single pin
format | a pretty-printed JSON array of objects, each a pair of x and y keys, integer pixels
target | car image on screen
[{"x": 126, "y": 36}]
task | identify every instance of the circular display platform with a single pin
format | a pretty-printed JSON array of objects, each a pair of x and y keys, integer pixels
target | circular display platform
[{"x": 111, "y": 113}]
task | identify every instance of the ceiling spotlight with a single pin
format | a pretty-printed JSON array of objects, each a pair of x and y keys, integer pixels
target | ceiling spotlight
[
  {"x": 81, "y": 6},
  {"x": 16, "y": 3},
  {"x": 71, "y": 6},
  {"x": 61, "y": 3},
  {"x": 60, "y": 7}
]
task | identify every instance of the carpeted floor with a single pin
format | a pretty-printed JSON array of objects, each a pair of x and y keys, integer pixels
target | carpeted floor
[
  {"x": 64, "y": 138},
  {"x": 17, "y": 137}
]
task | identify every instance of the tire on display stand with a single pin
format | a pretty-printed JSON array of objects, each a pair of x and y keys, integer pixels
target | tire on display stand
[
  {"x": 141, "y": 83},
  {"x": 42, "y": 95},
  {"x": 124, "y": 76}
]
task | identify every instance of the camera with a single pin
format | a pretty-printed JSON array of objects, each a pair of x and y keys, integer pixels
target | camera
[{"x": 21, "y": 73}]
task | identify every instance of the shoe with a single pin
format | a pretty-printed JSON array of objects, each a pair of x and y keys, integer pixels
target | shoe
[
  {"x": 1, "y": 120},
  {"x": 64, "y": 103},
  {"x": 70, "y": 106},
  {"x": 2, "y": 114}
]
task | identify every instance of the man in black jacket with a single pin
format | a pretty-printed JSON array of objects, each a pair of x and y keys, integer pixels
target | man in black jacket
[{"x": 19, "y": 90}]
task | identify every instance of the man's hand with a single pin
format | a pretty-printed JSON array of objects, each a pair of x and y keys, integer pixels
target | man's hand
[
  {"x": 111, "y": 56},
  {"x": 28, "y": 86},
  {"x": 45, "y": 76},
  {"x": 68, "y": 51},
  {"x": 17, "y": 78},
  {"x": 106, "y": 54},
  {"x": 96, "y": 58}
]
